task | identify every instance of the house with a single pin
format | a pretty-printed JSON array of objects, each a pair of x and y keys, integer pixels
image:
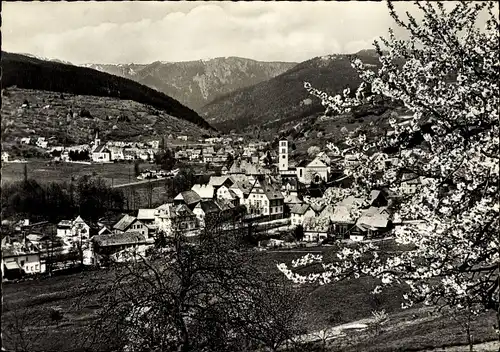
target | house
[
  {"x": 5, "y": 157},
  {"x": 219, "y": 181},
  {"x": 299, "y": 212},
  {"x": 108, "y": 248},
  {"x": 146, "y": 216},
  {"x": 373, "y": 221},
  {"x": 205, "y": 209},
  {"x": 101, "y": 154},
  {"x": 171, "y": 218},
  {"x": 265, "y": 199},
  {"x": 190, "y": 198},
  {"x": 208, "y": 158},
  {"x": 131, "y": 224},
  {"x": 343, "y": 218},
  {"x": 80, "y": 229},
  {"x": 316, "y": 228},
  {"x": 291, "y": 186},
  {"x": 117, "y": 153},
  {"x": 228, "y": 194},
  {"x": 64, "y": 229},
  {"x": 204, "y": 191},
  {"x": 20, "y": 259},
  {"x": 25, "y": 140},
  {"x": 241, "y": 187},
  {"x": 195, "y": 155},
  {"x": 410, "y": 183}
]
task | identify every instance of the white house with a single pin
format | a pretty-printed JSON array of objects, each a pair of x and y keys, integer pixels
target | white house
[
  {"x": 21, "y": 259},
  {"x": 265, "y": 199},
  {"x": 228, "y": 194},
  {"x": 5, "y": 157},
  {"x": 299, "y": 212},
  {"x": 204, "y": 209},
  {"x": 131, "y": 224}
]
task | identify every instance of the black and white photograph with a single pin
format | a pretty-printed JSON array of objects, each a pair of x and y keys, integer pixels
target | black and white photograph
[{"x": 250, "y": 176}]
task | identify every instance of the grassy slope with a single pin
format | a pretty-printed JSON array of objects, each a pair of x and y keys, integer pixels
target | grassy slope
[
  {"x": 133, "y": 120},
  {"x": 40, "y": 170},
  {"x": 325, "y": 306},
  {"x": 30, "y": 73}
]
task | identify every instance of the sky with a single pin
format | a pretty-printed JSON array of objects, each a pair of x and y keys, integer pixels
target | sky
[{"x": 148, "y": 31}]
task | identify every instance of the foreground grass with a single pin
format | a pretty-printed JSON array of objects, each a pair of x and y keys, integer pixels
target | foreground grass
[{"x": 28, "y": 305}]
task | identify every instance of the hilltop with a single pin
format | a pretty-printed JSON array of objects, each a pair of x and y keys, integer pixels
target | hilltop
[
  {"x": 283, "y": 98},
  {"x": 195, "y": 83},
  {"x": 29, "y": 72}
]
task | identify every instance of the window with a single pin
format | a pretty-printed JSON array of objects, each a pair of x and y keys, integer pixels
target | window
[
  {"x": 283, "y": 156},
  {"x": 22, "y": 262},
  {"x": 300, "y": 172}
]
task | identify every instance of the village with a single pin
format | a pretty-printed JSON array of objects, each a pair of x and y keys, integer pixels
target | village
[{"x": 287, "y": 203}]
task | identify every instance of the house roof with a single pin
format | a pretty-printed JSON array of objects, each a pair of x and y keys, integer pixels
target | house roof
[
  {"x": 410, "y": 178},
  {"x": 101, "y": 149},
  {"x": 299, "y": 209},
  {"x": 121, "y": 239},
  {"x": 271, "y": 191},
  {"x": 292, "y": 199},
  {"x": 303, "y": 163},
  {"x": 182, "y": 210},
  {"x": 209, "y": 206},
  {"x": 146, "y": 214},
  {"x": 65, "y": 223},
  {"x": 318, "y": 208},
  {"x": 124, "y": 223},
  {"x": 218, "y": 181},
  {"x": 190, "y": 197},
  {"x": 204, "y": 191},
  {"x": 373, "y": 218}
]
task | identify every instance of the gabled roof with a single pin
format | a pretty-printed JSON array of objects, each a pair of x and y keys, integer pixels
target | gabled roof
[
  {"x": 204, "y": 191},
  {"x": 209, "y": 206},
  {"x": 189, "y": 197},
  {"x": 124, "y": 223},
  {"x": 299, "y": 209},
  {"x": 318, "y": 208},
  {"x": 218, "y": 181},
  {"x": 373, "y": 218},
  {"x": 303, "y": 163},
  {"x": 101, "y": 149},
  {"x": 182, "y": 210},
  {"x": 271, "y": 191},
  {"x": 146, "y": 214},
  {"x": 121, "y": 239},
  {"x": 292, "y": 199},
  {"x": 65, "y": 223}
]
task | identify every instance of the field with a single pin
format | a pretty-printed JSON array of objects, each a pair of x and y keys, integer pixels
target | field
[
  {"x": 29, "y": 303},
  {"x": 42, "y": 171}
]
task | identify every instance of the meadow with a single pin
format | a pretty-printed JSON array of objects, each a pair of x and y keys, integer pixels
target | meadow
[
  {"x": 43, "y": 171},
  {"x": 28, "y": 304}
]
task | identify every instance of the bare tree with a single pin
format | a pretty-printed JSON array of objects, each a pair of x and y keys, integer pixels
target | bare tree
[{"x": 203, "y": 295}]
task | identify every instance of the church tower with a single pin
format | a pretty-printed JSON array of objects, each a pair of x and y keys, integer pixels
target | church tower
[
  {"x": 97, "y": 140},
  {"x": 283, "y": 156}
]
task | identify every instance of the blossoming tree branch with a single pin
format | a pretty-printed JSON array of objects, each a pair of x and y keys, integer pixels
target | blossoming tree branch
[{"x": 447, "y": 75}]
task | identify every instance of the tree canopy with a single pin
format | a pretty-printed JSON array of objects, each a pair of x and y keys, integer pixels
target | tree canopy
[{"x": 447, "y": 76}]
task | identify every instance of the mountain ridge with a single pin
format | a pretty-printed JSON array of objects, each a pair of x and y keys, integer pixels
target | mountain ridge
[
  {"x": 283, "y": 98},
  {"x": 197, "y": 82}
]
